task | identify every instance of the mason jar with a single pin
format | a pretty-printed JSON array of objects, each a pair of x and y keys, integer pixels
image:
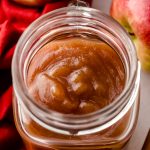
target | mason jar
[{"x": 44, "y": 129}]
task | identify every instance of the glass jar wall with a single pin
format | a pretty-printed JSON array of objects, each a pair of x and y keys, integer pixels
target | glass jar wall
[{"x": 107, "y": 128}]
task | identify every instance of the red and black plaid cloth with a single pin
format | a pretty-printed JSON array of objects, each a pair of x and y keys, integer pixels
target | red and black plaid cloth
[{"x": 14, "y": 19}]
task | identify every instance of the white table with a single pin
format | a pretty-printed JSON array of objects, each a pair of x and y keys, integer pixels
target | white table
[{"x": 143, "y": 125}]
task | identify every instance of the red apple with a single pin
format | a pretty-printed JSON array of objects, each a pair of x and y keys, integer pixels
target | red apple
[
  {"x": 32, "y": 2},
  {"x": 41, "y": 2},
  {"x": 134, "y": 15}
]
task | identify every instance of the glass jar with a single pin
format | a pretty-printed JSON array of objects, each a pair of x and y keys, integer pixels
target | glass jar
[{"x": 44, "y": 129}]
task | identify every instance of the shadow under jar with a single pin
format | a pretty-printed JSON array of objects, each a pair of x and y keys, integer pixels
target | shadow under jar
[{"x": 76, "y": 82}]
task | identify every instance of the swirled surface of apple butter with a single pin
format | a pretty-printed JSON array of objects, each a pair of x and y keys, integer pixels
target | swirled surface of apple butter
[{"x": 75, "y": 75}]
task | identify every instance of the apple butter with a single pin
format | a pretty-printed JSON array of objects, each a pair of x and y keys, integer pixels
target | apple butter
[
  {"x": 75, "y": 75},
  {"x": 76, "y": 82}
]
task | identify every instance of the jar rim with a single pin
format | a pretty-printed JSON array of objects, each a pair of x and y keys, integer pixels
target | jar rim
[{"x": 29, "y": 103}]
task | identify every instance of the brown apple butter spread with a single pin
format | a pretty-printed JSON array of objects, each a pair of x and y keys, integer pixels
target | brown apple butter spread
[{"x": 75, "y": 75}]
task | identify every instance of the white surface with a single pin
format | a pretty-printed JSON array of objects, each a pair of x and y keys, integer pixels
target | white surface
[
  {"x": 143, "y": 125},
  {"x": 102, "y": 5}
]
